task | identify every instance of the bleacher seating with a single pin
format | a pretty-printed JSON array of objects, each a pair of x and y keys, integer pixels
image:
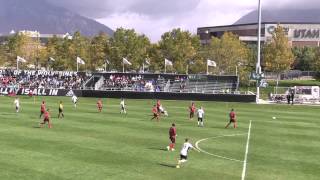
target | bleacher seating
[
  {"x": 208, "y": 87},
  {"x": 41, "y": 81},
  {"x": 120, "y": 82}
]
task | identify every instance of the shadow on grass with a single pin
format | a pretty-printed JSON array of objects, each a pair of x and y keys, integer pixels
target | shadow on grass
[
  {"x": 167, "y": 165},
  {"x": 37, "y": 127},
  {"x": 159, "y": 149},
  {"x": 8, "y": 114}
]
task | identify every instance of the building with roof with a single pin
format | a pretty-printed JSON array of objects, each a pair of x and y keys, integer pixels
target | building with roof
[
  {"x": 43, "y": 38},
  {"x": 301, "y": 26}
]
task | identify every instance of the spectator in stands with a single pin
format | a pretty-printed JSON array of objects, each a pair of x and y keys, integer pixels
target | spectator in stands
[{"x": 41, "y": 81}]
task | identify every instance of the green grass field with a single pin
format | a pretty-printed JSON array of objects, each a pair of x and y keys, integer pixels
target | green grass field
[{"x": 91, "y": 146}]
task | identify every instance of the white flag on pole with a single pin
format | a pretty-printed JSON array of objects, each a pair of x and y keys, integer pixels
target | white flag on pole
[
  {"x": 107, "y": 61},
  {"x": 51, "y": 59},
  {"x": 211, "y": 63},
  {"x": 168, "y": 62},
  {"x": 80, "y": 61},
  {"x": 125, "y": 61},
  {"x": 20, "y": 59},
  {"x": 147, "y": 61}
]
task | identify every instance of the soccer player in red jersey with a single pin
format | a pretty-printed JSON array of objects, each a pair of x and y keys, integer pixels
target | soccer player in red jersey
[
  {"x": 192, "y": 110},
  {"x": 158, "y": 106},
  {"x": 30, "y": 93},
  {"x": 155, "y": 113},
  {"x": 99, "y": 105},
  {"x": 46, "y": 119},
  {"x": 233, "y": 120},
  {"x": 42, "y": 108},
  {"x": 172, "y": 137}
]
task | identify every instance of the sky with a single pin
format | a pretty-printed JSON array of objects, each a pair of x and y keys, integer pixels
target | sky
[{"x": 154, "y": 17}]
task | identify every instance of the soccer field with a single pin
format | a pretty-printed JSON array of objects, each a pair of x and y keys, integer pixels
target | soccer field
[{"x": 96, "y": 146}]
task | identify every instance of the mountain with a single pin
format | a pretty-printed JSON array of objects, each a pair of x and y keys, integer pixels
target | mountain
[
  {"x": 39, "y": 15},
  {"x": 282, "y": 15}
]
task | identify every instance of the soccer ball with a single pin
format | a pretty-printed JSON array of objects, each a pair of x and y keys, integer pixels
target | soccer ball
[
  {"x": 274, "y": 117},
  {"x": 177, "y": 166}
]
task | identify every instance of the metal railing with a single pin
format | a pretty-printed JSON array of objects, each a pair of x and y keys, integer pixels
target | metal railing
[{"x": 293, "y": 74}]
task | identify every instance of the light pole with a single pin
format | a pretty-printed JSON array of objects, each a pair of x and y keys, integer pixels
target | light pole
[
  {"x": 38, "y": 42},
  {"x": 258, "y": 67},
  {"x": 238, "y": 78},
  {"x": 237, "y": 70}
]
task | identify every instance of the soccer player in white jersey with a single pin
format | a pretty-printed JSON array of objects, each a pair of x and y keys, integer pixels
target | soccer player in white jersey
[
  {"x": 184, "y": 152},
  {"x": 122, "y": 106},
  {"x": 200, "y": 116},
  {"x": 17, "y": 104},
  {"x": 74, "y": 100}
]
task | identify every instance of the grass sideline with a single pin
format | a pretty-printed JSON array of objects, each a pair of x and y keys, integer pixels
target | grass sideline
[{"x": 88, "y": 145}]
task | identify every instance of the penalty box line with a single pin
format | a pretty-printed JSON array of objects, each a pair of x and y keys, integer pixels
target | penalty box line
[{"x": 215, "y": 155}]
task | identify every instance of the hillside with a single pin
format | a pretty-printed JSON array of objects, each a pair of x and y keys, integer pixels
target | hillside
[{"x": 46, "y": 18}]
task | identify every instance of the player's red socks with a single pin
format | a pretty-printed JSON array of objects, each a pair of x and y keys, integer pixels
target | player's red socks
[{"x": 171, "y": 145}]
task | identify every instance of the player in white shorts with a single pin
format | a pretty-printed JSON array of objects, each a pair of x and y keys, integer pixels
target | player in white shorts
[
  {"x": 184, "y": 152},
  {"x": 122, "y": 106},
  {"x": 74, "y": 100},
  {"x": 17, "y": 104},
  {"x": 200, "y": 116},
  {"x": 163, "y": 111}
]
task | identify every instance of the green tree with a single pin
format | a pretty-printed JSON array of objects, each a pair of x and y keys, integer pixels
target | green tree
[
  {"x": 155, "y": 57},
  {"x": 277, "y": 54},
  {"x": 80, "y": 47},
  {"x": 180, "y": 47},
  {"x": 65, "y": 59},
  {"x": 98, "y": 51},
  {"x": 65, "y": 51},
  {"x": 249, "y": 66},
  {"x": 315, "y": 62},
  {"x": 228, "y": 52},
  {"x": 25, "y": 46},
  {"x": 52, "y": 48},
  {"x": 303, "y": 58},
  {"x": 126, "y": 43},
  {"x": 3, "y": 55}
]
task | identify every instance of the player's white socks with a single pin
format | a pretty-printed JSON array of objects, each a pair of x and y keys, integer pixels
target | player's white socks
[{"x": 198, "y": 123}]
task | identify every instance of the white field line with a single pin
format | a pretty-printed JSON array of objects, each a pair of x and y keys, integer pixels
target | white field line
[
  {"x": 215, "y": 155},
  {"x": 246, "y": 154}
]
